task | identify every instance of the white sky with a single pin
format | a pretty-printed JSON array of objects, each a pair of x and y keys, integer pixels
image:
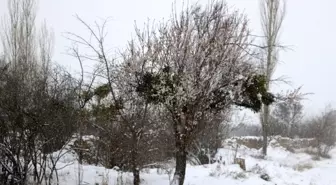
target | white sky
[{"x": 309, "y": 28}]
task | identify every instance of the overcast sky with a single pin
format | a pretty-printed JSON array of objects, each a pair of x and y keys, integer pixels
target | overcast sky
[{"x": 309, "y": 29}]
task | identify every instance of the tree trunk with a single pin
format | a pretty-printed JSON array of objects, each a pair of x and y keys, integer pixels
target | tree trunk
[
  {"x": 289, "y": 130},
  {"x": 264, "y": 149},
  {"x": 134, "y": 157},
  {"x": 34, "y": 162},
  {"x": 136, "y": 176},
  {"x": 265, "y": 125},
  {"x": 272, "y": 16},
  {"x": 181, "y": 162}
]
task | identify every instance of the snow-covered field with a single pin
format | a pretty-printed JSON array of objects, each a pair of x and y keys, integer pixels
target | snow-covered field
[{"x": 282, "y": 167}]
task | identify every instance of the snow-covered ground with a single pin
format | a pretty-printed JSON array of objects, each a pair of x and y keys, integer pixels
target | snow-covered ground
[{"x": 282, "y": 167}]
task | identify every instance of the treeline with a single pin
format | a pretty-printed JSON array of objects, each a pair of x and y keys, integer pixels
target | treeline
[{"x": 287, "y": 119}]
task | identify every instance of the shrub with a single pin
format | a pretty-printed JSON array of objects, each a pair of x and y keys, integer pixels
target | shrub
[{"x": 303, "y": 167}]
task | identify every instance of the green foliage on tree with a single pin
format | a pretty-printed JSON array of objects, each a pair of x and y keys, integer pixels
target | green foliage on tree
[
  {"x": 158, "y": 87},
  {"x": 255, "y": 93},
  {"x": 102, "y": 91}
]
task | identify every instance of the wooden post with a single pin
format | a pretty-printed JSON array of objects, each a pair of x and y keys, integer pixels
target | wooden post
[{"x": 241, "y": 163}]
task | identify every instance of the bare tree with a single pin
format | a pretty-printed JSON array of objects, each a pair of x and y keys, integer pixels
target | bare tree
[
  {"x": 30, "y": 91},
  {"x": 130, "y": 109},
  {"x": 198, "y": 64},
  {"x": 19, "y": 43},
  {"x": 323, "y": 129},
  {"x": 208, "y": 139},
  {"x": 19, "y": 34},
  {"x": 287, "y": 114},
  {"x": 272, "y": 16},
  {"x": 195, "y": 65},
  {"x": 84, "y": 93}
]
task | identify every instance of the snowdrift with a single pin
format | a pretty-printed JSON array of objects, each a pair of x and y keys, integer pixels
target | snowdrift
[{"x": 282, "y": 166}]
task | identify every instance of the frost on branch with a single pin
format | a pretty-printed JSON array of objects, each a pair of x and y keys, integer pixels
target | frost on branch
[{"x": 198, "y": 64}]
